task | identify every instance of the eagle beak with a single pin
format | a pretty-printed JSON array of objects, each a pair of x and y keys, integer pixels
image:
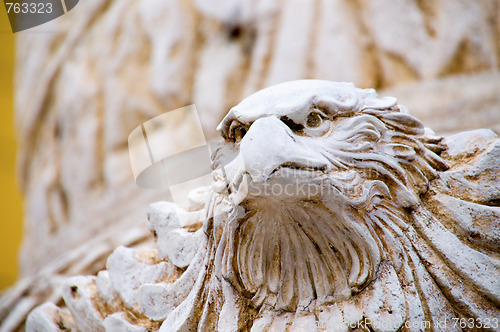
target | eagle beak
[{"x": 269, "y": 144}]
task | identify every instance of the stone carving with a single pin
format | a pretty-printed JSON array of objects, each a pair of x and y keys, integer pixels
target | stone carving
[{"x": 331, "y": 209}]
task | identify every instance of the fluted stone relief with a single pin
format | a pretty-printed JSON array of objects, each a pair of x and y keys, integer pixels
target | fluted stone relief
[{"x": 330, "y": 210}]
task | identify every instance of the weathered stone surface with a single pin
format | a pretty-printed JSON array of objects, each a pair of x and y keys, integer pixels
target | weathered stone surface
[
  {"x": 377, "y": 225},
  {"x": 49, "y": 318}
]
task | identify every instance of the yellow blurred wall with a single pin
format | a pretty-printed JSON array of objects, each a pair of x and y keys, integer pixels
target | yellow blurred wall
[{"x": 10, "y": 198}]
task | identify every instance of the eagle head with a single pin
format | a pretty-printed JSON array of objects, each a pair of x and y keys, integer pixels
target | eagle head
[{"x": 304, "y": 165}]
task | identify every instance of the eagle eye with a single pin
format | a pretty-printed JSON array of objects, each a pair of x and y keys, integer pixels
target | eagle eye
[
  {"x": 237, "y": 131},
  {"x": 316, "y": 124},
  {"x": 314, "y": 120}
]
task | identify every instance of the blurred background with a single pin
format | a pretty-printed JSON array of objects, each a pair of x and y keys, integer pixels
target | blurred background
[
  {"x": 85, "y": 80},
  {"x": 11, "y": 212}
]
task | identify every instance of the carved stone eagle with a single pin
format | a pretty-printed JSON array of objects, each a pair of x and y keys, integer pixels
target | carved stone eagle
[{"x": 331, "y": 210}]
